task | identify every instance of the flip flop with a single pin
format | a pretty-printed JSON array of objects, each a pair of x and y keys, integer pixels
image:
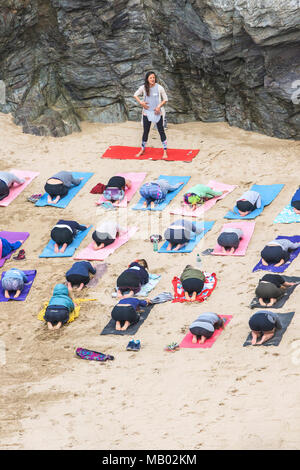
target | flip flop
[{"x": 20, "y": 255}]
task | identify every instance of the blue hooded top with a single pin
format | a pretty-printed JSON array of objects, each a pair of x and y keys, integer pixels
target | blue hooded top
[{"x": 61, "y": 296}]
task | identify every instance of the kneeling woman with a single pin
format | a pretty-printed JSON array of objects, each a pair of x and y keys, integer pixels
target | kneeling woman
[
  {"x": 59, "y": 184},
  {"x": 132, "y": 279},
  {"x": 229, "y": 239},
  {"x": 198, "y": 194},
  {"x": 64, "y": 232},
  {"x": 249, "y": 201},
  {"x": 125, "y": 313},
  {"x": 263, "y": 324},
  {"x": 270, "y": 288},
  {"x": 180, "y": 233},
  {"x": 105, "y": 234},
  {"x": 13, "y": 280},
  {"x": 192, "y": 281},
  {"x": 79, "y": 274},
  {"x": 204, "y": 327},
  {"x": 59, "y": 308},
  {"x": 277, "y": 252},
  {"x": 155, "y": 192},
  {"x": 6, "y": 247},
  {"x": 115, "y": 189}
]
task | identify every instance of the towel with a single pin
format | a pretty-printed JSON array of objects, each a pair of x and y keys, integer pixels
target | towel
[
  {"x": 216, "y": 186},
  {"x": 285, "y": 294},
  {"x": 62, "y": 203},
  {"x": 132, "y": 329},
  {"x": 287, "y": 216},
  {"x": 248, "y": 229},
  {"x": 136, "y": 181},
  {"x": 285, "y": 320},
  {"x": 14, "y": 191},
  {"x": 101, "y": 269},
  {"x": 48, "y": 251},
  {"x": 172, "y": 180},
  {"x": 283, "y": 267},
  {"x": 12, "y": 237},
  {"x": 187, "y": 340},
  {"x": 123, "y": 153},
  {"x": 268, "y": 193},
  {"x": 188, "y": 248},
  {"x": 89, "y": 254},
  {"x": 73, "y": 315},
  {"x": 27, "y": 286},
  {"x": 209, "y": 285}
]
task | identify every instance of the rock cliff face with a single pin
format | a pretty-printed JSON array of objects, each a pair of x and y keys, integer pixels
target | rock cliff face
[{"x": 63, "y": 61}]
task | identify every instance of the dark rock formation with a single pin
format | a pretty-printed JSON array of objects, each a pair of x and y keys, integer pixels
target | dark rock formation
[{"x": 63, "y": 61}]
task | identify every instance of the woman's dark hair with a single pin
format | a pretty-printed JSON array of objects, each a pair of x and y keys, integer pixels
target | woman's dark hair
[
  {"x": 142, "y": 262},
  {"x": 146, "y": 84},
  {"x": 219, "y": 324}
]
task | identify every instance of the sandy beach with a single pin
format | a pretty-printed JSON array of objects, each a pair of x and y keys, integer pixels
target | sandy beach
[{"x": 226, "y": 397}]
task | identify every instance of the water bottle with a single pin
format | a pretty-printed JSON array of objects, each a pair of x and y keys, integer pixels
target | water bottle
[
  {"x": 155, "y": 245},
  {"x": 198, "y": 261}
]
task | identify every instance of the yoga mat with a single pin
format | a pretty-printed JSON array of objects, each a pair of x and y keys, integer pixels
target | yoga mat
[
  {"x": 283, "y": 267},
  {"x": 209, "y": 285},
  {"x": 89, "y": 254},
  {"x": 136, "y": 181},
  {"x": 12, "y": 237},
  {"x": 14, "y": 191},
  {"x": 48, "y": 251},
  {"x": 101, "y": 269},
  {"x": 146, "y": 288},
  {"x": 159, "y": 207},
  {"x": 248, "y": 229},
  {"x": 27, "y": 286},
  {"x": 287, "y": 216},
  {"x": 188, "y": 248},
  {"x": 62, "y": 203},
  {"x": 268, "y": 193},
  {"x": 216, "y": 186},
  {"x": 285, "y": 320},
  {"x": 187, "y": 340},
  {"x": 124, "y": 153},
  {"x": 285, "y": 295},
  {"x": 132, "y": 329},
  {"x": 73, "y": 315}
]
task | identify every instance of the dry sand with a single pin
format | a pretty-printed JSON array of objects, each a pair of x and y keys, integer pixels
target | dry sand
[{"x": 227, "y": 397}]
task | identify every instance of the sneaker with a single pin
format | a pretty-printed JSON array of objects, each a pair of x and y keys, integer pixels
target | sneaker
[
  {"x": 20, "y": 255},
  {"x": 131, "y": 346},
  {"x": 137, "y": 346}
]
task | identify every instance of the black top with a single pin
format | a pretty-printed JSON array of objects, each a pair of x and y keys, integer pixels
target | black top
[
  {"x": 275, "y": 279},
  {"x": 72, "y": 224},
  {"x": 116, "y": 182}
]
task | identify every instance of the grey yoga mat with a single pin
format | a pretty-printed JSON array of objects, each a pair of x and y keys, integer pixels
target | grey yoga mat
[
  {"x": 132, "y": 329},
  {"x": 282, "y": 300},
  {"x": 285, "y": 320}
]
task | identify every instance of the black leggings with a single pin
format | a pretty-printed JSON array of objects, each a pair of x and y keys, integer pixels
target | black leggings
[
  {"x": 56, "y": 190},
  {"x": 129, "y": 280},
  {"x": 57, "y": 313},
  {"x": 160, "y": 128},
  {"x": 198, "y": 331},
  {"x": 123, "y": 314},
  {"x": 77, "y": 279},
  {"x": 193, "y": 285}
]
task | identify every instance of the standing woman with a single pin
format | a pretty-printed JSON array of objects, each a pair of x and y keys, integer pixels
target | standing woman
[{"x": 154, "y": 98}]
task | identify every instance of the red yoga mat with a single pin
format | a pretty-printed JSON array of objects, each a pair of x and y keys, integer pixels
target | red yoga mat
[
  {"x": 129, "y": 153},
  {"x": 187, "y": 340}
]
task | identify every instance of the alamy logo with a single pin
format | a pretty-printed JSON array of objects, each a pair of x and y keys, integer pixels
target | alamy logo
[
  {"x": 2, "y": 92},
  {"x": 296, "y": 93}
]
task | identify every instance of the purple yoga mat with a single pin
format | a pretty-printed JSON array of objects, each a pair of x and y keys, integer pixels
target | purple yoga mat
[
  {"x": 283, "y": 267},
  {"x": 12, "y": 237},
  {"x": 30, "y": 276}
]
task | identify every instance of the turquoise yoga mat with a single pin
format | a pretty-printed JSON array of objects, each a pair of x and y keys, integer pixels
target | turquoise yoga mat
[
  {"x": 49, "y": 252},
  {"x": 268, "y": 193},
  {"x": 188, "y": 248},
  {"x": 62, "y": 203},
  {"x": 159, "y": 207}
]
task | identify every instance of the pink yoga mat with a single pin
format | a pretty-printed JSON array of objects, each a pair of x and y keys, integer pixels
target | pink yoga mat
[
  {"x": 248, "y": 229},
  {"x": 136, "y": 180},
  {"x": 14, "y": 191},
  {"x": 208, "y": 204},
  {"x": 187, "y": 340},
  {"x": 89, "y": 254}
]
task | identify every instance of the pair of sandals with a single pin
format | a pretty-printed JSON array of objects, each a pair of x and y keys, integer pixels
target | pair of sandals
[{"x": 20, "y": 255}]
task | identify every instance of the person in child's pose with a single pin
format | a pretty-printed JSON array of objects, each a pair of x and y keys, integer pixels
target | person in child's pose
[
  {"x": 270, "y": 288},
  {"x": 204, "y": 327},
  {"x": 277, "y": 252},
  {"x": 198, "y": 194},
  {"x": 133, "y": 278},
  {"x": 7, "y": 180},
  {"x": 295, "y": 202},
  {"x": 6, "y": 247},
  {"x": 64, "y": 232},
  {"x": 229, "y": 239},
  {"x": 125, "y": 313},
  {"x": 192, "y": 281},
  {"x": 59, "y": 184},
  {"x": 249, "y": 201},
  {"x": 180, "y": 233},
  {"x": 264, "y": 324},
  {"x": 155, "y": 192},
  {"x": 79, "y": 275},
  {"x": 13, "y": 280},
  {"x": 105, "y": 234},
  {"x": 59, "y": 308},
  {"x": 115, "y": 189}
]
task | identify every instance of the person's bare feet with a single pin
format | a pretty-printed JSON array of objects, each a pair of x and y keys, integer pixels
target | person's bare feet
[
  {"x": 232, "y": 250},
  {"x": 202, "y": 340},
  {"x": 194, "y": 339},
  {"x": 187, "y": 297},
  {"x": 178, "y": 247},
  {"x": 266, "y": 337},
  {"x": 70, "y": 288},
  {"x": 169, "y": 247},
  {"x": 57, "y": 326},
  {"x": 6, "y": 294},
  {"x": 255, "y": 335},
  {"x": 118, "y": 326},
  {"x": 141, "y": 152},
  {"x": 17, "y": 294},
  {"x": 125, "y": 326},
  {"x": 193, "y": 298},
  {"x": 165, "y": 155},
  {"x": 80, "y": 287},
  {"x": 261, "y": 302},
  {"x": 50, "y": 326}
]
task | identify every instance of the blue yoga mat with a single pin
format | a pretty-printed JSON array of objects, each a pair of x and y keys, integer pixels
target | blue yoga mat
[
  {"x": 49, "y": 252},
  {"x": 62, "y": 203},
  {"x": 268, "y": 193},
  {"x": 188, "y": 248},
  {"x": 283, "y": 267},
  {"x": 159, "y": 207}
]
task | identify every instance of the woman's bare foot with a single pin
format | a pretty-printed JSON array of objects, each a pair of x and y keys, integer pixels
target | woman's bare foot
[
  {"x": 80, "y": 287},
  {"x": 165, "y": 155},
  {"x": 193, "y": 298},
  {"x": 140, "y": 153},
  {"x": 50, "y": 326},
  {"x": 266, "y": 337},
  {"x": 152, "y": 205},
  {"x": 63, "y": 248},
  {"x": 169, "y": 247},
  {"x": 145, "y": 204},
  {"x": 6, "y": 294},
  {"x": 232, "y": 250},
  {"x": 57, "y": 326},
  {"x": 125, "y": 326},
  {"x": 255, "y": 335},
  {"x": 194, "y": 339},
  {"x": 17, "y": 294},
  {"x": 70, "y": 288},
  {"x": 202, "y": 340},
  {"x": 56, "y": 248},
  {"x": 264, "y": 262},
  {"x": 187, "y": 297},
  {"x": 118, "y": 326},
  {"x": 178, "y": 247},
  {"x": 55, "y": 201},
  {"x": 261, "y": 302}
]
